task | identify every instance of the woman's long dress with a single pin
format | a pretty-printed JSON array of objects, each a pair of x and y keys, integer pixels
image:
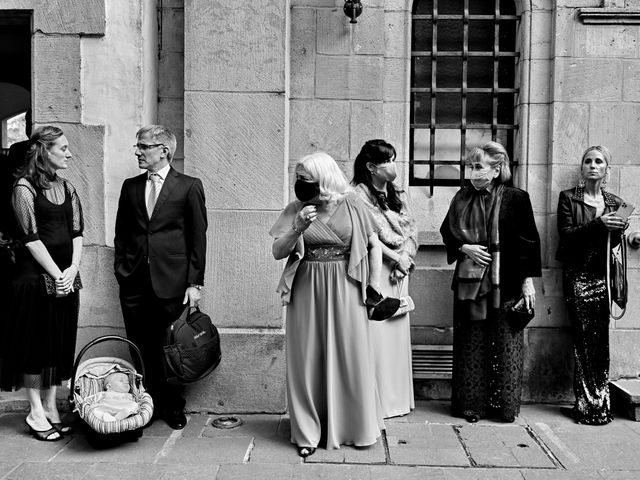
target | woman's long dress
[
  {"x": 585, "y": 291},
  {"x": 39, "y": 341},
  {"x": 391, "y": 339},
  {"x": 330, "y": 377}
]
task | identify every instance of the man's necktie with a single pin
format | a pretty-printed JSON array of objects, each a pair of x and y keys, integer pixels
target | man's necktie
[{"x": 154, "y": 189}]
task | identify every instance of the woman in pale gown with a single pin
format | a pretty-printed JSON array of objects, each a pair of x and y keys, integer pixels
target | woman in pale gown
[
  {"x": 374, "y": 171},
  {"x": 333, "y": 252}
]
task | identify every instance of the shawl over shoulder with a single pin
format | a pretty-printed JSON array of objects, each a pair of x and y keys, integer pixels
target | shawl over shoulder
[{"x": 363, "y": 226}]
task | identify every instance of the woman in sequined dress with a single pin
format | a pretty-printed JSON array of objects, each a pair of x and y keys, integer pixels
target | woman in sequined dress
[
  {"x": 586, "y": 215},
  {"x": 330, "y": 240},
  {"x": 38, "y": 343},
  {"x": 491, "y": 234},
  {"x": 374, "y": 171}
]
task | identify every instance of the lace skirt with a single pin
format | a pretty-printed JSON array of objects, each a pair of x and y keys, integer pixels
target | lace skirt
[{"x": 487, "y": 365}]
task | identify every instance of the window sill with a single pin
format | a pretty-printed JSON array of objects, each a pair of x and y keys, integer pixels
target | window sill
[{"x": 609, "y": 15}]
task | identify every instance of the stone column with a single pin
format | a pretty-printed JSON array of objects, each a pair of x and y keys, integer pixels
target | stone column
[{"x": 236, "y": 136}]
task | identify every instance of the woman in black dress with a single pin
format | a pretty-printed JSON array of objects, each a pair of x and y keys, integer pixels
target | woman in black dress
[
  {"x": 39, "y": 338},
  {"x": 491, "y": 233},
  {"x": 586, "y": 215}
]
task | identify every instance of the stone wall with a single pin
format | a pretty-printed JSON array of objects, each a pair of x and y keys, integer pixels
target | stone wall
[
  {"x": 595, "y": 102},
  {"x": 236, "y": 104},
  {"x": 171, "y": 73}
]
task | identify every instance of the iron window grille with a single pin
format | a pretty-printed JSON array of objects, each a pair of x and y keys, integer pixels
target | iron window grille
[{"x": 464, "y": 63}]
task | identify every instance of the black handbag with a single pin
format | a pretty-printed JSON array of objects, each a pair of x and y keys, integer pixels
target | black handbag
[
  {"x": 518, "y": 315},
  {"x": 617, "y": 286}
]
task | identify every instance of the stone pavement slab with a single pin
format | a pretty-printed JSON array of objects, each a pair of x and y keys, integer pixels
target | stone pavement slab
[
  {"x": 503, "y": 446},
  {"x": 78, "y": 450},
  {"x": 425, "y": 444},
  {"x": 443, "y": 473},
  {"x": 615, "y": 446},
  {"x": 331, "y": 472},
  {"x": 265, "y": 426},
  {"x": 561, "y": 475},
  {"x": 348, "y": 454},
  {"x": 253, "y": 472},
  {"x": 204, "y": 451},
  {"x": 46, "y": 470}
]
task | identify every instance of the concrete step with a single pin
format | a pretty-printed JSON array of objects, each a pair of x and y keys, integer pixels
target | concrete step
[{"x": 625, "y": 397}]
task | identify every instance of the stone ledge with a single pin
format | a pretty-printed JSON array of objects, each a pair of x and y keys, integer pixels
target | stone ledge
[
  {"x": 612, "y": 16},
  {"x": 625, "y": 397}
]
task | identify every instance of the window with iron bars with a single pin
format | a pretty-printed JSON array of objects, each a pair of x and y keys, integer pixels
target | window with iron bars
[{"x": 463, "y": 85}]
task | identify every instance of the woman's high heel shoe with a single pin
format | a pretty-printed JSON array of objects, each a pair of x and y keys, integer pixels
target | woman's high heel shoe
[
  {"x": 305, "y": 452},
  {"x": 379, "y": 307}
]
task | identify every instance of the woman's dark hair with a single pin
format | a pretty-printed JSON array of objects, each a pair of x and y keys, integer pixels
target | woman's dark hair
[
  {"x": 35, "y": 168},
  {"x": 376, "y": 151}
]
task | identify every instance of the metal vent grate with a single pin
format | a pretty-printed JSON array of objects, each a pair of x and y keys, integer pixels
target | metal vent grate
[{"x": 432, "y": 361}]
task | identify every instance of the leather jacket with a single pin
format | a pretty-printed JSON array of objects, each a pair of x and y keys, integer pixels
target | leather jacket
[{"x": 580, "y": 230}]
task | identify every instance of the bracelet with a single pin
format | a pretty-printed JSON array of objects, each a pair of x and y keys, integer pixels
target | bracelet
[{"x": 293, "y": 227}]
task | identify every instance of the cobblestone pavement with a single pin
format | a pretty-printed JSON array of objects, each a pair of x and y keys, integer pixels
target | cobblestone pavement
[{"x": 427, "y": 444}]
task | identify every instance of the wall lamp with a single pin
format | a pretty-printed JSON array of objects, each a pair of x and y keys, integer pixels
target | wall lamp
[{"x": 352, "y": 9}]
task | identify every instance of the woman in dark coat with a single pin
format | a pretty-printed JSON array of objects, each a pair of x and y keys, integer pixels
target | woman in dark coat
[
  {"x": 586, "y": 215},
  {"x": 491, "y": 233}
]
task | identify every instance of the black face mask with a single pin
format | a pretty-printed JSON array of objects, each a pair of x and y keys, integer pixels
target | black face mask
[{"x": 305, "y": 191}]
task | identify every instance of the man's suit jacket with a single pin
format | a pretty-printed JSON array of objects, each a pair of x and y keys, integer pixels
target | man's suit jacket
[{"x": 172, "y": 242}]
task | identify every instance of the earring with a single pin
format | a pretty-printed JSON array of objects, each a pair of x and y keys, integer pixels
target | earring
[
  {"x": 581, "y": 183},
  {"x": 604, "y": 183}
]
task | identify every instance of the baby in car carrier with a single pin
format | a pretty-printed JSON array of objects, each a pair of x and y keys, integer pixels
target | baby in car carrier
[{"x": 115, "y": 403}]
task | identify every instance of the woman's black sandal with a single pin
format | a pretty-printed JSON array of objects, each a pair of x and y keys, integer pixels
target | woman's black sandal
[
  {"x": 44, "y": 435},
  {"x": 305, "y": 452},
  {"x": 470, "y": 416},
  {"x": 62, "y": 428}
]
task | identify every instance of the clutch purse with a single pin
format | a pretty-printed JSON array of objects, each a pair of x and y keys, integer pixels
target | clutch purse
[
  {"x": 406, "y": 302},
  {"x": 49, "y": 283},
  {"x": 518, "y": 315}
]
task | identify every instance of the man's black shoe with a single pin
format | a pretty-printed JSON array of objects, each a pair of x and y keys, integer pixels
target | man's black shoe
[{"x": 176, "y": 419}]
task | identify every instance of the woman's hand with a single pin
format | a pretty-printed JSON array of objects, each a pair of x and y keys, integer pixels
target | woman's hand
[
  {"x": 64, "y": 283},
  {"x": 612, "y": 222},
  {"x": 477, "y": 253},
  {"x": 403, "y": 264},
  {"x": 529, "y": 293},
  {"x": 305, "y": 217}
]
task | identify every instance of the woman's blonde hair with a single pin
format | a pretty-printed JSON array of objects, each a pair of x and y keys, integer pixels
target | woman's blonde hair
[
  {"x": 606, "y": 154},
  {"x": 495, "y": 155},
  {"x": 322, "y": 168}
]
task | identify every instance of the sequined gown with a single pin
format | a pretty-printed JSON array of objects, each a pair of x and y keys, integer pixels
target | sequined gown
[
  {"x": 331, "y": 387},
  {"x": 583, "y": 252}
]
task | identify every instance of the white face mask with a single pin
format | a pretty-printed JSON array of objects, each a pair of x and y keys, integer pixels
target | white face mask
[
  {"x": 481, "y": 180},
  {"x": 387, "y": 171}
]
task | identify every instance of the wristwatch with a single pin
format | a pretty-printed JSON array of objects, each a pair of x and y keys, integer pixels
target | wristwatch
[{"x": 197, "y": 287}]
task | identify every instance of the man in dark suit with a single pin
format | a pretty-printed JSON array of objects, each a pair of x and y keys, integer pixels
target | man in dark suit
[{"x": 160, "y": 245}]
